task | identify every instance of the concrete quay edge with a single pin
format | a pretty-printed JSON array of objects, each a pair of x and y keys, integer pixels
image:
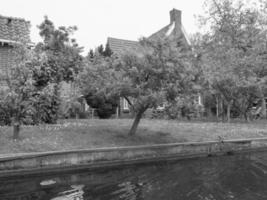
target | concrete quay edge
[{"x": 58, "y": 161}]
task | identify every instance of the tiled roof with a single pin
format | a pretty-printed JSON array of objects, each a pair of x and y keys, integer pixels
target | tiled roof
[
  {"x": 14, "y": 29},
  {"x": 178, "y": 32},
  {"x": 174, "y": 30},
  {"x": 119, "y": 46}
]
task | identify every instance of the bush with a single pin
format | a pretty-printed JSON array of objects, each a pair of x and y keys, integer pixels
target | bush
[
  {"x": 46, "y": 106},
  {"x": 5, "y": 114},
  {"x": 105, "y": 106},
  {"x": 184, "y": 107},
  {"x": 158, "y": 113}
]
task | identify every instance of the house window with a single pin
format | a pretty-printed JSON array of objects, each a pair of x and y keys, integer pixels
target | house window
[{"x": 125, "y": 104}]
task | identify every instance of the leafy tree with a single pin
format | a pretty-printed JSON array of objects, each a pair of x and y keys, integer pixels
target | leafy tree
[
  {"x": 245, "y": 99},
  {"x": 46, "y": 112},
  {"x": 96, "y": 75},
  {"x": 230, "y": 49},
  {"x": 91, "y": 54},
  {"x": 105, "y": 105},
  {"x": 62, "y": 55},
  {"x": 108, "y": 51},
  {"x": 161, "y": 72},
  {"x": 18, "y": 93},
  {"x": 100, "y": 50}
]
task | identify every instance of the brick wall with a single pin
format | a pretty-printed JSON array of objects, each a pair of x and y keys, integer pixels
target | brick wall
[{"x": 5, "y": 57}]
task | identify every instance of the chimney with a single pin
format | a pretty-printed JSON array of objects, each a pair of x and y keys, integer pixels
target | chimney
[{"x": 176, "y": 16}]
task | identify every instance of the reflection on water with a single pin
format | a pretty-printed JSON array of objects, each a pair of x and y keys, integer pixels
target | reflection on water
[
  {"x": 242, "y": 177},
  {"x": 75, "y": 193}
]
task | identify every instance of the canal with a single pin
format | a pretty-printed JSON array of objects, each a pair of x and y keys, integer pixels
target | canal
[{"x": 235, "y": 177}]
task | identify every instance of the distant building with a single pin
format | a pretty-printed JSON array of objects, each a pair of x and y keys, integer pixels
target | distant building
[
  {"x": 173, "y": 30},
  {"x": 12, "y": 30}
]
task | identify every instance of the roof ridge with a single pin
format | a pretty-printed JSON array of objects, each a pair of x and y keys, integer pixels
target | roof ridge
[
  {"x": 154, "y": 34},
  {"x": 15, "y": 18},
  {"x": 122, "y": 39}
]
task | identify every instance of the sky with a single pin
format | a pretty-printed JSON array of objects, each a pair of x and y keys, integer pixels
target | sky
[{"x": 98, "y": 19}]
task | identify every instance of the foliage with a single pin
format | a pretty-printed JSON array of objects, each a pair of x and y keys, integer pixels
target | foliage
[
  {"x": 108, "y": 52},
  {"x": 101, "y": 51},
  {"x": 91, "y": 54},
  {"x": 99, "y": 67},
  {"x": 5, "y": 114},
  {"x": 184, "y": 107},
  {"x": 105, "y": 106},
  {"x": 245, "y": 99},
  {"x": 72, "y": 108},
  {"x": 45, "y": 106},
  {"x": 97, "y": 73},
  {"x": 61, "y": 59},
  {"x": 18, "y": 92},
  {"x": 232, "y": 50},
  {"x": 161, "y": 71}
]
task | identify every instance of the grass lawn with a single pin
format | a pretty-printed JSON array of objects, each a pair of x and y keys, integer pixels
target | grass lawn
[{"x": 90, "y": 133}]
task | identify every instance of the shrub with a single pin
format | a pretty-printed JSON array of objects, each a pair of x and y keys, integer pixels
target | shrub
[
  {"x": 46, "y": 106},
  {"x": 105, "y": 106},
  {"x": 5, "y": 114},
  {"x": 185, "y": 107}
]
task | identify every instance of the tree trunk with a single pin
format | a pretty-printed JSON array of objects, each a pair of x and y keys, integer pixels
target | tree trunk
[
  {"x": 229, "y": 111},
  {"x": 217, "y": 108},
  {"x": 222, "y": 113},
  {"x": 56, "y": 104},
  {"x": 16, "y": 129},
  {"x": 246, "y": 116},
  {"x": 263, "y": 108},
  {"x": 137, "y": 119}
]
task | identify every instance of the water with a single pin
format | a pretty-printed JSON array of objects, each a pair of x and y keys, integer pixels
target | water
[{"x": 242, "y": 177}]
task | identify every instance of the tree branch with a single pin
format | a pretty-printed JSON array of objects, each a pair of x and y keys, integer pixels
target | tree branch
[{"x": 128, "y": 100}]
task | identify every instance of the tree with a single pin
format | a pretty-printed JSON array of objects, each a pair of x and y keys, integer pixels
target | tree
[
  {"x": 108, "y": 51},
  {"x": 63, "y": 59},
  {"x": 104, "y": 104},
  {"x": 164, "y": 69},
  {"x": 245, "y": 99},
  {"x": 100, "y": 50},
  {"x": 18, "y": 93},
  {"x": 230, "y": 49},
  {"x": 99, "y": 72},
  {"x": 91, "y": 54},
  {"x": 159, "y": 72}
]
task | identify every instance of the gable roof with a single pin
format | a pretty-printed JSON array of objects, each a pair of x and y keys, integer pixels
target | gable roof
[
  {"x": 14, "y": 30},
  {"x": 174, "y": 30},
  {"x": 119, "y": 46}
]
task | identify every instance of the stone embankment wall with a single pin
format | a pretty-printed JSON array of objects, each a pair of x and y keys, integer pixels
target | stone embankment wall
[{"x": 106, "y": 157}]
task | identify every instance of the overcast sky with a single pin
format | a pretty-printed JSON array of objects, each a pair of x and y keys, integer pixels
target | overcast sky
[{"x": 98, "y": 19}]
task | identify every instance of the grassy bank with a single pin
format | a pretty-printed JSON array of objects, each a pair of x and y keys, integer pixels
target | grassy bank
[{"x": 107, "y": 133}]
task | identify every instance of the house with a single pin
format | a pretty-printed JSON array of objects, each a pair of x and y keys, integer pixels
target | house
[
  {"x": 173, "y": 30},
  {"x": 12, "y": 30}
]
